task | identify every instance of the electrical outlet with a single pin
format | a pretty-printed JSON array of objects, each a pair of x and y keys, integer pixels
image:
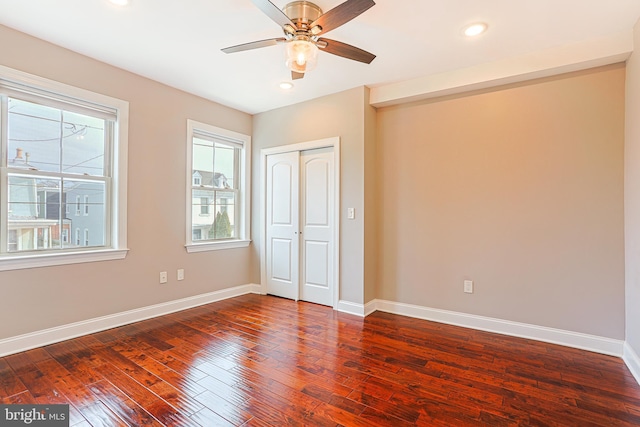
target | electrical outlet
[
  {"x": 163, "y": 277},
  {"x": 468, "y": 286},
  {"x": 351, "y": 213},
  {"x": 181, "y": 274}
]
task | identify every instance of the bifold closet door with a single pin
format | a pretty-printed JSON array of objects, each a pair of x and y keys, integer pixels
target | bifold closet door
[
  {"x": 316, "y": 223},
  {"x": 283, "y": 244},
  {"x": 300, "y": 225}
]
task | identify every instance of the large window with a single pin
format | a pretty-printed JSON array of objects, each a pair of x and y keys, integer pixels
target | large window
[
  {"x": 60, "y": 145},
  {"x": 217, "y": 185}
]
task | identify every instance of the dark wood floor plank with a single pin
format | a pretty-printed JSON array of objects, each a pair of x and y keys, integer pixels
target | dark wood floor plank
[
  {"x": 121, "y": 405},
  {"x": 263, "y": 361},
  {"x": 10, "y": 384}
]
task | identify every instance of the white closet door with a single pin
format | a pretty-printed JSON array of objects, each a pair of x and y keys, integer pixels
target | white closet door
[
  {"x": 282, "y": 228},
  {"x": 316, "y": 223}
]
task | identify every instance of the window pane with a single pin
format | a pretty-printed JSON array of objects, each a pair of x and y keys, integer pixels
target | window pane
[
  {"x": 214, "y": 165},
  {"x": 224, "y": 224},
  {"x": 92, "y": 196},
  {"x": 201, "y": 214},
  {"x": 202, "y": 155},
  {"x": 39, "y": 136},
  {"x": 34, "y": 221},
  {"x": 34, "y": 136},
  {"x": 83, "y": 144},
  {"x": 224, "y": 166}
]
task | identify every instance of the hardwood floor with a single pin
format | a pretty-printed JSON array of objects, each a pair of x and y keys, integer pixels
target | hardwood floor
[{"x": 258, "y": 361}]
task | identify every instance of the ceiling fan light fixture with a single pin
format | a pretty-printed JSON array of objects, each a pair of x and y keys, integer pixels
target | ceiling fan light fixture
[{"x": 302, "y": 56}]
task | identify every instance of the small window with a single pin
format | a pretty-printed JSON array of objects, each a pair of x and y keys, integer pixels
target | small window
[
  {"x": 86, "y": 205},
  {"x": 78, "y": 210},
  {"x": 65, "y": 235},
  {"x": 77, "y": 237},
  {"x": 86, "y": 237},
  {"x": 204, "y": 206},
  {"x": 219, "y": 172}
]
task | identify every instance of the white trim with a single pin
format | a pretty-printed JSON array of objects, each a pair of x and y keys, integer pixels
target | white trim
[
  {"x": 52, "y": 259},
  {"x": 579, "y": 340},
  {"x": 244, "y": 176},
  {"x": 302, "y": 146},
  {"x": 351, "y": 308},
  {"x": 216, "y": 246},
  {"x": 370, "y": 307},
  {"x": 632, "y": 360},
  {"x": 61, "y": 333}
]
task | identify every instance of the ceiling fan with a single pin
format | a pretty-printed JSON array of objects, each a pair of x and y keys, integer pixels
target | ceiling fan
[{"x": 303, "y": 23}]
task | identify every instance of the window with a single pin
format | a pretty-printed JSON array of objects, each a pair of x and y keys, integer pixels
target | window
[
  {"x": 218, "y": 174},
  {"x": 59, "y": 144},
  {"x": 204, "y": 206}
]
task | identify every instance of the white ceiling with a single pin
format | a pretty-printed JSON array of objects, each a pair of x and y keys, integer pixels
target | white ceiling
[{"x": 178, "y": 42}]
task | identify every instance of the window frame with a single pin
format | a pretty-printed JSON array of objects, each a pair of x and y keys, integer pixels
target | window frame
[
  {"x": 243, "y": 203},
  {"x": 54, "y": 94}
]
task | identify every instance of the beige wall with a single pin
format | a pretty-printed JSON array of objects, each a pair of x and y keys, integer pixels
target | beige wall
[
  {"x": 519, "y": 189},
  {"x": 45, "y": 297},
  {"x": 340, "y": 115},
  {"x": 632, "y": 197}
]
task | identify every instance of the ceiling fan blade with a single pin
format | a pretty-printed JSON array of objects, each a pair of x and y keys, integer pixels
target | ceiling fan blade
[
  {"x": 253, "y": 45},
  {"x": 273, "y": 12},
  {"x": 296, "y": 76},
  {"x": 345, "y": 50},
  {"x": 340, "y": 14}
]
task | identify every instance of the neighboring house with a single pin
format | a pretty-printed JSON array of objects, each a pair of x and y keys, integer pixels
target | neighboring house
[
  {"x": 208, "y": 201},
  {"x": 38, "y": 219},
  {"x": 28, "y": 228}
]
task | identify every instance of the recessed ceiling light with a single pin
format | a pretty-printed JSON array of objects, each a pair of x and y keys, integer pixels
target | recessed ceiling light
[
  {"x": 286, "y": 85},
  {"x": 120, "y": 2},
  {"x": 475, "y": 29}
]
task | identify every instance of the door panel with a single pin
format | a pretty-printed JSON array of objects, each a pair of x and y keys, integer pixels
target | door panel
[
  {"x": 282, "y": 225},
  {"x": 316, "y": 260},
  {"x": 317, "y": 185},
  {"x": 281, "y": 259}
]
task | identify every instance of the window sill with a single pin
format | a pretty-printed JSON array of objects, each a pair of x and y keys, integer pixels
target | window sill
[
  {"x": 216, "y": 246},
  {"x": 18, "y": 262}
]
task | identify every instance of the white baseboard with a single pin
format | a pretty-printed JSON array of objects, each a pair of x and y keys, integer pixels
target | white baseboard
[
  {"x": 632, "y": 360},
  {"x": 351, "y": 308},
  {"x": 523, "y": 330},
  {"x": 61, "y": 333}
]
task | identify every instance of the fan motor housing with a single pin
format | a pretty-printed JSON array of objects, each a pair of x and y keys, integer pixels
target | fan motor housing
[{"x": 302, "y": 12}]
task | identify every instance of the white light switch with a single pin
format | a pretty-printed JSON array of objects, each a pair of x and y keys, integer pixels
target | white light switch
[
  {"x": 351, "y": 213},
  {"x": 468, "y": 286}
]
